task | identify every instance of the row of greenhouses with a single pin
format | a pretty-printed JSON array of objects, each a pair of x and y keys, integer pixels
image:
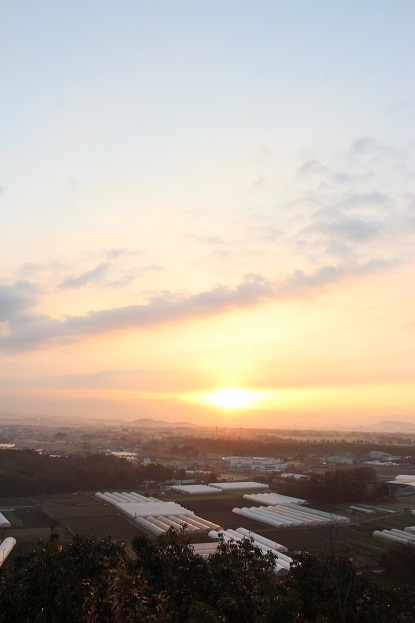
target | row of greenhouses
[
  {"x": 218, "y": 487},
  {"x": 157, "y": 517},
  {"x": 395, "y": 535},
  {"x": 116, "y": 498},
  {"x": 290, "y": 516},
  {"x": 270, "y": 499}
]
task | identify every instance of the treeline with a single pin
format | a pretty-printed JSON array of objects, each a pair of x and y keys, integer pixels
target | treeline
[
  {"x": 284, "y": 448},
  {"x": 339, "y": 485},
  {"x": 96, "y": 581},
  {"x": 24, "y": 472}
]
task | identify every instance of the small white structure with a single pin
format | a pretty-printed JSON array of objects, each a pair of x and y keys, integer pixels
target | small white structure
[
  {"x": 5, "y": 548},
  {"x": 403, "y": 484},
  {"x": 4, "y": 523},
  {"x": 340, "y": 460},
  {"x": 229, "y": 486},
  {"x": 196, "y": 489},
  {"x": 273, "y": 498},
  {"x": 294, "y": 476},
  {"x": 359, "y": 509}
]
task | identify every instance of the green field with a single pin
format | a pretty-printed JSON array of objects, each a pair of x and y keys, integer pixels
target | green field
[
  {"x": 400, "y": 505},
  {"x": 15, "y": 521},
  {"x": 13, "y": 502}
]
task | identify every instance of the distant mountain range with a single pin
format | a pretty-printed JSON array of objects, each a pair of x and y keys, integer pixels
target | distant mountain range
[{"x": 100, "y": 412}]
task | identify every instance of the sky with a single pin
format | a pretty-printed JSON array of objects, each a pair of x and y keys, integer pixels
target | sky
[{"x": 207, "y": 211}]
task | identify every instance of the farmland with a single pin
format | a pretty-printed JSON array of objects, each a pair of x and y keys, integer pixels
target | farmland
[{"x": 33, "y": 518}]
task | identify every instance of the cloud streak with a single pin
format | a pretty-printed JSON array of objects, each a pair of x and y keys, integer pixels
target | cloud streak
[
  {"x": 16, "y": 300},
  {"x": 96, "y": 274},
  {"x": 30, "y": 331}
]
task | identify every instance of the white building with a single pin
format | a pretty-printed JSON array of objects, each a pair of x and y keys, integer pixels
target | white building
[
  {"x": 403, "y": 484},
  {"x": 257, "y": 463}
]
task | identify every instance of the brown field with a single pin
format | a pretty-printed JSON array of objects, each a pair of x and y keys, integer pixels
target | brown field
[
  {"x": 92, "y": 510},
  {"x": 34, "y": 518},
  {"x": 65, "y": 499},
  {"x": 116, "y": 527},
  {"x": 86, "y": 515},
  {"x": 29, "y": 539}
]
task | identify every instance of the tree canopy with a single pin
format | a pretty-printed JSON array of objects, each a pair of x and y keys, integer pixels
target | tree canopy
[
  {"x": 98, "y": 581},
  {"x": 25, "y": 472}
]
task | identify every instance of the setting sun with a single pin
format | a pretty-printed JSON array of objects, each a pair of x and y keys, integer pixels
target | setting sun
[{"x": 231, "y": 398}]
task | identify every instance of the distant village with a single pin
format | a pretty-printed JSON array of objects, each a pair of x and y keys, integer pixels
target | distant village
[{"x": 181, "y": 449}]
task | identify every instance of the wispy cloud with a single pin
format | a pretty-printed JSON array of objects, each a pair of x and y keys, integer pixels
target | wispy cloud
[
  {"x": 17, "y": 300},
  {"x": 331, "y": 223},
  {"x": 96, "y": 274},
  {"x": 364, "y": 200},
  {"x": 337, "y": 226},
  {"x": 310, "y": 167},
  {"x": 29, "y": 331}
]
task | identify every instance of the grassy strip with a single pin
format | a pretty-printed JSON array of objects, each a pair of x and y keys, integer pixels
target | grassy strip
[
  {"x": 13, "y": 502},
  {"x": 15, "y": 521}
]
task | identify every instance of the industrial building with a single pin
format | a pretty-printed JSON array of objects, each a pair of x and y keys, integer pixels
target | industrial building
[{"x": 257, "y": 463}]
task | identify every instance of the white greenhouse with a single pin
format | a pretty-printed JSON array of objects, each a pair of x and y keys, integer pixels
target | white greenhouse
[
  {"x": 261, "y": 539},
  {"x": 398, "y": 536},
  {"x": 4, "y": 523},
  {"x": 229, "y": 486},
  {"x": 195, "y": 489},
  {"x": 274, "y": 498},
  {"x": 6, "y": 547}
]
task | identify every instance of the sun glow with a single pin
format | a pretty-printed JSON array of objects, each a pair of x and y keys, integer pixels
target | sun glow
[{"x": 231, "y": 398}]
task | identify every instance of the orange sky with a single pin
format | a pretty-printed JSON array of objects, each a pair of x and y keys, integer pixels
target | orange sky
[{"x": 226, "y": 203}]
